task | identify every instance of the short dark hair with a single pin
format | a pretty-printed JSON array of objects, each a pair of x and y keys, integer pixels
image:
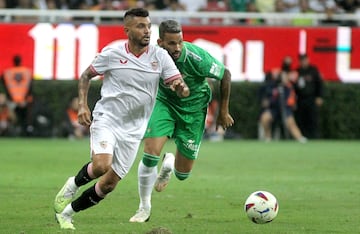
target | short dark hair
[
  {"x": 169, "y": 26},
  {"x": 140, "y": 12}
]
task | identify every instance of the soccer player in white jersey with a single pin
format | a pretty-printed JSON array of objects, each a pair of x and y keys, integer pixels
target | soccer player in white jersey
[{"x": 132, "y": 71}]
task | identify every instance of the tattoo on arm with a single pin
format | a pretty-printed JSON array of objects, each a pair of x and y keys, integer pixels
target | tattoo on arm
[{"x": 84, "y": 84}]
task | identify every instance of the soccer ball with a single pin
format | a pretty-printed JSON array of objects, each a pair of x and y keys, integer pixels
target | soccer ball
[{"x": 261, "y": 207}]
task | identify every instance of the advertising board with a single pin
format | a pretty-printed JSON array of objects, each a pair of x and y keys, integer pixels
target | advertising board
[{"x": 62, "y": 51}]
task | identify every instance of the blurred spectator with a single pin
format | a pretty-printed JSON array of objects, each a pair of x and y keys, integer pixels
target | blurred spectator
[
  {"x": 265, "y": 5},
  {"x": 120, "y": 5},
  {"x": 193, "y": 6},
  {"x": 309, "y": 90},
  {"x": 291, "y": 6},
  {"x": 279, "y": 7},
  {"x": 348, "y": 6},
  {"x": 174, "y": 5},
  {"x": 251, "y": 7},
  {"x": 278, "y": 100},
  {"x": 171, "y": 6},
  {"x": 304, "y": 8},
  {"x": 217, "y": 6},
  {"x": 239, "y": 5},
  {"x": 330, "y": 21},
  {"x": 18, "y": 84},
  {"x": 2, "y": 4},
  {"x": 42, "y": 118},
  {"x": 81, "y": 4},
  {"x": 7, "y": 117},
  {"x": 45, "y": 4},
  {"x": 155, "y": 4},
  {"x": 70, "y": 126},
  {"x": 150, "y": 5},
  {"x": 21, "y": 4},
  {"x": 321, "y": 6}
]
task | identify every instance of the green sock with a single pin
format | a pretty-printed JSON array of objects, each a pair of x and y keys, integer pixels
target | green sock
[
  {"x": 181, "y": 175},
  {"x": 150, "y": 160}
]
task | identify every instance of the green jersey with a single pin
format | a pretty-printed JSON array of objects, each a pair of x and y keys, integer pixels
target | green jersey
[{"x": 195, "y": 65}]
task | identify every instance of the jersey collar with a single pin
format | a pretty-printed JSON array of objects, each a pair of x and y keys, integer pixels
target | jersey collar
[{"x": 129, "y": 52}]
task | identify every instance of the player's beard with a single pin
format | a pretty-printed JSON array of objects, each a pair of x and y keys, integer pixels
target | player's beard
[
  {"x": 145, "y": 41},
  {"x": 144, "y": 44},
  {"x": 175, "y": 55},
  {"x": 141, "y": 42}
]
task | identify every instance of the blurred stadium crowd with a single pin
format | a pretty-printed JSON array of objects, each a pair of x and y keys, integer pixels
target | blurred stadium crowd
[{"x": 286, "y": 6}]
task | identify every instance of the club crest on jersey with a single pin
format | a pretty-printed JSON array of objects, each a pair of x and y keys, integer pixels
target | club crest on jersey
[
  {"x": 103, "y": 144},
  {"x": 154, "y": 65}
]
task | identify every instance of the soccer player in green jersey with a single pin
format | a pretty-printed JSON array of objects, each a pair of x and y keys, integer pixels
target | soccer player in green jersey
[{"x": 181, "y": 119}]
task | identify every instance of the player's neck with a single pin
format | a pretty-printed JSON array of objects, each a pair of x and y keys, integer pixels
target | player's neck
[{"x": 137, "y": 50}]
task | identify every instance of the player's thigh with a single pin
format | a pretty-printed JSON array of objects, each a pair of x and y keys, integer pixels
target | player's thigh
[
  {"x": 102, "y": 143},
  {"x": 189, "y": 133},
  {"x": 124, "y": 156},
  {"x": 161, "y": 123}
]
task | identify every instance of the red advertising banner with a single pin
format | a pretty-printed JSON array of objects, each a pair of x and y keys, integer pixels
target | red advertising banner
[{"x": 63, "y": 51}]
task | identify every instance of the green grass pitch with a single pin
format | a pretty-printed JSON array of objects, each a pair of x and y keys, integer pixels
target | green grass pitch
[{"x": 317, "y": 185}]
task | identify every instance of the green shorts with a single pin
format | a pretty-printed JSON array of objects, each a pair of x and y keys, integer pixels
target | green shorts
[{"x": 186, "y": 128}]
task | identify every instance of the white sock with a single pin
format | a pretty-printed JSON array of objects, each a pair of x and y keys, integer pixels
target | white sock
[
  {"x": 170, "y": 163},
  {"x": 146, "y": 180},
  {"x": 68, "y": 211},
  {"x": 73, "y": 186}
]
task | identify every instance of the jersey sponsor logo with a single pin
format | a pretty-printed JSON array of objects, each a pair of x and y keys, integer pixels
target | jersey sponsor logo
[
  {"x": 123, "y": 61},
  {"x": 191, "y": 146},
  {"x": 215, "y": 69}
]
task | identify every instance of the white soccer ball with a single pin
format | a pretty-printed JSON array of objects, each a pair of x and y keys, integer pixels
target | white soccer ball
[{"x": 261, "y": 207}]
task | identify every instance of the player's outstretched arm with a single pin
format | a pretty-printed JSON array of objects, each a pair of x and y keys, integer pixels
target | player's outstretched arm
[
  {"x": 84, "y": 114},
  {"x": 180, "y": 87},
  {"x": 224, "y": 118}
]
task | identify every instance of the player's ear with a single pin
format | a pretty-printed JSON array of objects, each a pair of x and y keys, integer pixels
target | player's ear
[{"x": 159, "y": 41}]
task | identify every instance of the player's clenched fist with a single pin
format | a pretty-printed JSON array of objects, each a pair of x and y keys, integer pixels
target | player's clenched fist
[
  {"x": 84, "y": 116},
  {"x": 180, "y": 87}
]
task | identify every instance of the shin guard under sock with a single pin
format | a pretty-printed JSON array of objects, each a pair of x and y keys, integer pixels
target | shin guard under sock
[
  {"x": 87, "y": 199},
  {"x": 82, "y": 177}
]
